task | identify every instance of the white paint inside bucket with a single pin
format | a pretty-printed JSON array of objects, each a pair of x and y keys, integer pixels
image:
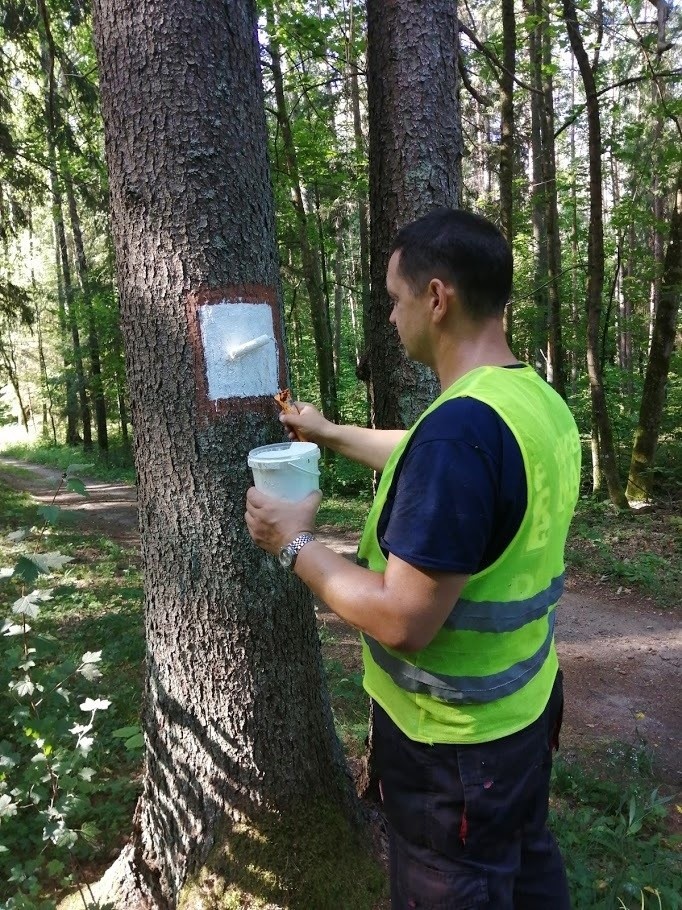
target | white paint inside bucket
[{"x": 288, "y": 470}]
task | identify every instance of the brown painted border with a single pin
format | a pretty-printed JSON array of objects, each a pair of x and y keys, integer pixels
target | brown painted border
[{"x": 238, "y": 293}]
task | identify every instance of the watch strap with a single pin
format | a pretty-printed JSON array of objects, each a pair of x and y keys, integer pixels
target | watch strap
[{"x": 297, "y": 544}]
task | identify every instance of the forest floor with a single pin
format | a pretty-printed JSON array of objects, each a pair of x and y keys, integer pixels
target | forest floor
[{"x": 621, "y": 653}]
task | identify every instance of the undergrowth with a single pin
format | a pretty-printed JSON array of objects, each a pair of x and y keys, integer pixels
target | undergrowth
[
  {"x": 115, "y": 465},
  {"x": 613, "y": 823},
  {"x": 638, "y": 551}
]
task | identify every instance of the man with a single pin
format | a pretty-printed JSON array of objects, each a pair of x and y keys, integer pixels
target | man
[{"x": 459, "y": 570}]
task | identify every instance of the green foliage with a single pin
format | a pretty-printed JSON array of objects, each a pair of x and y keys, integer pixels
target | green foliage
[
  {"x": 612, "y": 828},
  {"x": 115, "y": 465},
  {"x": 60, "y": 802},
  {"x": 635, "y": 550},
  {"x": 350, "y": 702}
]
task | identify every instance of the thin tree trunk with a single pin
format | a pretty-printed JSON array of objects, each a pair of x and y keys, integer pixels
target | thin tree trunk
[
  {"x": 71, "y": 391},
  {"x": 595, "y": 264},
  {"x": 640, "y": 478},
  {"x": 312, "y": 267},
  {"x": 45, "y": 389},
  {"x": 52, "y": 121},
  {"x": 539, "y": 188},
  {"x": 93, "y": 338},
  {"x": 556, "y": 369},
  {"x": 507, "y": 136},
  {"x": 360, "y": 167},
  {"x": 338, "y": 294}
]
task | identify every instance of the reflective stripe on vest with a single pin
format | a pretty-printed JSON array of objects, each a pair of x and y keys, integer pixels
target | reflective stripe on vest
[
  {"x": 461, "y": 689},
  {"x": 504, "y": 616}
]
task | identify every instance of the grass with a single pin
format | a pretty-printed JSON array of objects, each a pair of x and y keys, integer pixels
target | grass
[
  {"x": 611, "y": 820},
  {"x": 613, "y": 826},
  {"x": 640, "y": 551},
  {"x": 116, "y": 465},
  {"x": 96, "y": 604}
]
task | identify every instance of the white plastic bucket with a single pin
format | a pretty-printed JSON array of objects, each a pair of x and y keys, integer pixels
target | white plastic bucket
[{"x": 287, "y": 470}]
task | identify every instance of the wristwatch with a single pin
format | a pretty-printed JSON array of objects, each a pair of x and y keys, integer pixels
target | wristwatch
[{"x": 288, "y": 554}]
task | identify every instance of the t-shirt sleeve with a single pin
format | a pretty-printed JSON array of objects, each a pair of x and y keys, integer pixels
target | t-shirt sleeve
[{"x": 445, "y": 501}]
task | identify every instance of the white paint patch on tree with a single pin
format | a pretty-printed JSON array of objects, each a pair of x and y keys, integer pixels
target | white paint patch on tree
[{"x": 240, "y": 351}]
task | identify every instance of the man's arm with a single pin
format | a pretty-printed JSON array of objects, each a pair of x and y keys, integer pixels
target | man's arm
[
  {"x": 367, "y": 446},
  {"x": 403, "y": 607}
]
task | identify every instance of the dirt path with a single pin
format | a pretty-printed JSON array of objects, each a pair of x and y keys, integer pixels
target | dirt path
[{"x": 621, "y": 655}]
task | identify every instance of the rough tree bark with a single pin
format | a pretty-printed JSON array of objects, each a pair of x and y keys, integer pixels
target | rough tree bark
[
  {"x": 595, "y": 264},
  {"x": 240, "y": 744},
  {"x": 414, "y": 157}
]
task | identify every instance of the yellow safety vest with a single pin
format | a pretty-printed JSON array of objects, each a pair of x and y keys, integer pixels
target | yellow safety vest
[{"x": 490, "y": 669}]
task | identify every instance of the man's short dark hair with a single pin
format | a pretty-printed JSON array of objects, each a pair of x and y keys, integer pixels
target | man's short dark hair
[{"x": 462, "y": 248}]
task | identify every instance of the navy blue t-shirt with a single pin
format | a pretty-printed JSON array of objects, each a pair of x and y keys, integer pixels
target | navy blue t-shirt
[{"x": 459, "y": 494}]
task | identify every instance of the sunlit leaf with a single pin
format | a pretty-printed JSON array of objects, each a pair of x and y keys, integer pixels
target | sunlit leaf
[
  {"x": 91, "y": 657},
  {"x": 95, "y": 704}
]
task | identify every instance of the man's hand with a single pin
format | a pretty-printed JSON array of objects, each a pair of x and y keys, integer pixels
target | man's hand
[
  {"x": 308, "y": 423},
  {"x": 273, "y": 523}
]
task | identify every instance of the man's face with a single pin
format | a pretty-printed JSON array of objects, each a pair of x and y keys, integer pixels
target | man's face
[{"x": 409, "y": 313}]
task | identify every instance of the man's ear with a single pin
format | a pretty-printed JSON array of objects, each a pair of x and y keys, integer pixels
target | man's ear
[{"x": 439, "y": 298}]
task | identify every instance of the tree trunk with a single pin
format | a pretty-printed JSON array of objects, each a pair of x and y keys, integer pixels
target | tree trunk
[
  {"x": 310, "y": 256},
  {"x": 414, "y": 151},
  {"x": 45, "y": 389},
  {"x": 52, "y": 120},
  {"x": 93, "y": 337},
  {"x": 640, "y": 479},
  {"x": 240, "y": 744},
  {"x": 595, "y": 264},
  {"x": 360, "y": 167},
  {"x": 507, "y": 136},
  {"x": 539, "y": 187},
  {"x": 71, "y": 392},
  {"x": 556, "y": 370}
]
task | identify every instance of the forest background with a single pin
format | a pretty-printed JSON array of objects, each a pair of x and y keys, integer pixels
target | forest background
[
  {"x": 585, "y": 303},
  {"x": 571, "y": 140}
]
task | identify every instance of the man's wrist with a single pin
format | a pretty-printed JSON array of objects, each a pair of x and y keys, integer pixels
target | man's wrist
[{"x": 288, "y": 554}]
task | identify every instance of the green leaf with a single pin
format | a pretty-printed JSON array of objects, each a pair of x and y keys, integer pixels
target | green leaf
[
  {"x": 76, "y": 485},
  {"x": 135, "y": 742},
  {"x": 50, "y": 514},
  {"x": 125, "y": 732},
  {"x": 48, "y": 561},
  {"x": 27, "y": 570}
]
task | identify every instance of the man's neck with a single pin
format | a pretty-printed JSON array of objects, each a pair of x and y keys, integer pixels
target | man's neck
[{"x": 483, "y": 346}]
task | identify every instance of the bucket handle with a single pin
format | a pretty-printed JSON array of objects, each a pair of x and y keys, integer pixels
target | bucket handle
[{"x": 299, "y": 467}]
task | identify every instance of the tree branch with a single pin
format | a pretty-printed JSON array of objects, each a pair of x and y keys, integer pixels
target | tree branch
[
  {"x": 494, "y": 59},
  {"x": 632, "y": 80}
]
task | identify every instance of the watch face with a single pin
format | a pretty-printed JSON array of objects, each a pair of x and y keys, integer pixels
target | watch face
[{"x": 286, "y": 557}]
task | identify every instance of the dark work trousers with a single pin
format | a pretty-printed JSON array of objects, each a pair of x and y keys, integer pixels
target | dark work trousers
[{"x": 468, "y": 824}]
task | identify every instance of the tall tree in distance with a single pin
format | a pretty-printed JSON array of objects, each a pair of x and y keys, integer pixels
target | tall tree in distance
[
  {"x": 640, "y": 478},
  {"x": 240, "y": 744},
  {"x": 414, "y": 166},
  {"x": 507, "y": 135},
  {"x": 604, "y": 451}
]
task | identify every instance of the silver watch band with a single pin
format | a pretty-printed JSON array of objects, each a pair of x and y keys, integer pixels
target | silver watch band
[{"x": 289, "y": 553}]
